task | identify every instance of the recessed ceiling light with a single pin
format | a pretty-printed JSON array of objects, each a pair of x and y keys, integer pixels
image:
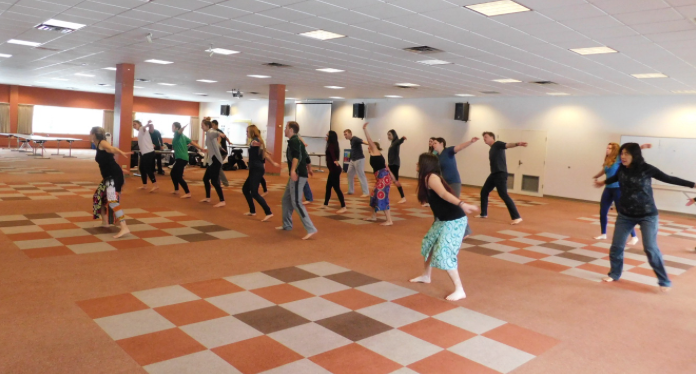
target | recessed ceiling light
[
  {"x": 158, "y": 93},
  {"x": 110, "y": 68},
  {"x": 84, "y": 75},
  {"x": 24, "y": 42},
  {"x": 290, "y": 98},
  {"x": 434, "y": 62},
  {"x": 258, "y": 76},
  {"x": 593, "y": 50},
  {"x": 200, "y": 93},
  {"x": 5, "y": 56},
  {"x": 464, "y": 95},
  {"x": 506, "y": 80},
  {"x": 221, "y": 51},
  {"x": 59, "y": 79},
  {"x": 334, "y": 87},
  {"x": 407, "y": 85},
  {"x": 331, "y": 70},
  {"x": 649, "y": 75},
  {"x": 102, "y": 84},
  {"x": 138, "y": 87},
  {"x": 335, "y": 97},
  {"x": 688, "y": 92},
  {"x": 161, "y": 62},
  {"x": 322, "y": 35},
  {"x": 166, "y": 84},
  {"x": 558, "y": 94},
  {"x": 253, "y": 99},
  {"x": 393, "y": 96},
  {"x": 206, "y": 81},
  {"x": 63, "y": 24},
  {"x": 496, "y": 8}
]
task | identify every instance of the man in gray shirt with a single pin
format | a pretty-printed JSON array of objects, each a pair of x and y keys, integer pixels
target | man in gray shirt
[{"x": 357, "y": 164}]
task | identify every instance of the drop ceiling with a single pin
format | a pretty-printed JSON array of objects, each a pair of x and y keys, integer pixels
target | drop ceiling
[{"x": 650, "y": 37}]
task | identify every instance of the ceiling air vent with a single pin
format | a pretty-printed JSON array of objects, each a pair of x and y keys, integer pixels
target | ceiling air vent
[
  {"x": 543, "y": 82},
  {"x": 423, "y": 50},
  {"x": 102, "y": 84},
  {"x": 277, "y": 65},
  {"x": 143, "y": 80},
  {"x": 253, "y": 93},
  {"x": 490, "y": 92}
]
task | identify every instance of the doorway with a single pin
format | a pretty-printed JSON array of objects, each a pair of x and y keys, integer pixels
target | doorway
[{"x": 526, "y": 165}]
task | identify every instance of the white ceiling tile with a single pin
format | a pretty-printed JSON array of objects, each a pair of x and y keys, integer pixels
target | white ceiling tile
[
  {"x": 662, "y": 27},
  {"x": 348, "y": 17},
  {"x": 649, "y": 16},
  {"x": 248, "y": 5},
  {"x": 593, "y": 23},
  {"x": 221, "y": 11},
  {"x": 101, "y": 7},
  {"x": 316, "y": 8},
  {"x": 351, "y": 4},
  {"x": 628, "y": 6},
  {"x": 185, "y": 4},
  {"x": 163, "y": 10},
  {"x": 285, "y": 14}
]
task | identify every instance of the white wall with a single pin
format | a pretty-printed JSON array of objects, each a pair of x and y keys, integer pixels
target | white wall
[{"x": 578, "y": 131}]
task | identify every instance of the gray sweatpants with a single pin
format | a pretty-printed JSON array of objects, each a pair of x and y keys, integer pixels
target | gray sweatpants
[
  {"x": 292, "y": 200},
  {"x": 357, "y": 167}
]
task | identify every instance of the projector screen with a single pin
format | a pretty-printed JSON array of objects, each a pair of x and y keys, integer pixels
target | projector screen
[{"x": 314, "y": 118}]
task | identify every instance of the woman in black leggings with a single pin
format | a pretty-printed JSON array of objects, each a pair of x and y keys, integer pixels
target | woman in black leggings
[
  {"x": 214, "y": 160},
  {"x": 334, "y": 181},
  {"x": 257, "y": 156},
  {"x": 395, "y": 159}
]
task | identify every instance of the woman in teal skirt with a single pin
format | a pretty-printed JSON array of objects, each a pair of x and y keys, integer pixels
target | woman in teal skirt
[{"x": 442, "y": 242}]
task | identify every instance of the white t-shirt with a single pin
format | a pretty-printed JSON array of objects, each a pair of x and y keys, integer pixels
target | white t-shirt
[{"x": 145, "y": 141}]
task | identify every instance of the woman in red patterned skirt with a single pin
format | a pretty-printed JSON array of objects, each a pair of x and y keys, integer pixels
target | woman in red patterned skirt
[{"x": 379, "y": 199}]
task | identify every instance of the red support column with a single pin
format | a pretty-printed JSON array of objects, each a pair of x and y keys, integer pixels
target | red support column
[
  {"x": 14, "y": 109},
  {"x": 275, "y": 128},
  {"x": 123, "y": 111}
]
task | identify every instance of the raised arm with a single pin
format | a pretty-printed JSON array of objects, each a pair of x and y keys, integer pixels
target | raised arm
[
  {"x": 150, "y": 127},
  {"x": 662, "y": 177},
  {"x": 513, "y": 145},
  {"x": 181, "y": 130},
  {"x": 367, "y": 136},
  {"x": 401, "y": 141},
  {"x": 113, "y": 150},
  {"x": 459, "y": 147}
]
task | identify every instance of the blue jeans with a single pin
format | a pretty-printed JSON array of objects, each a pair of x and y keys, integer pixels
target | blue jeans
[
  {"x": 307, "y": 192},
  {"x": 648, "y": 227},
  {"x": 609, "y": 195}
]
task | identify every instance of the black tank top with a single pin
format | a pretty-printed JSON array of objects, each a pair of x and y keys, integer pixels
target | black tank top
[
  {"x": 444, "y": 210},
  {"x": 256, "y": 160},
  {"x": 109, "y": 167},
  {"x": 377, "y": 163}
]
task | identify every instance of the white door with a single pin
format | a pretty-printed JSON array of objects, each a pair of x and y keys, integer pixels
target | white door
[{"x": 526, "y": 165}]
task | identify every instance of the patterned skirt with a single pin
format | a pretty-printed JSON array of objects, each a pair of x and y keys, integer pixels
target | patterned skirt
[
  {"x": 379, "y": 199},
  {"x": 105, "y": 194},
  {"x": 443, "y": 241}
]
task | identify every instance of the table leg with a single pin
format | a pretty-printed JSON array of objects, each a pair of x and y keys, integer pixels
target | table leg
[
  {"x": 57, "y": 150},
  {"x": 69, "y": 152}
]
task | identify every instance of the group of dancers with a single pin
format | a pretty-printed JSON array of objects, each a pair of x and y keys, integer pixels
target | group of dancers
[{"x": 627, "y": 184}]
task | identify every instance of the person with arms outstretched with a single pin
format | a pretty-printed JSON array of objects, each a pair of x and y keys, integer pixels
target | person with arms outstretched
[{"x": 498, "y": 177}]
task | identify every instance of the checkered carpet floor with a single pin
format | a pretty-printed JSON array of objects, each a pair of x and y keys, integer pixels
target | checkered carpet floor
[
  {"x": 315, "y": 318},
  {"x": 582, "y": 258},
  {"x": 667, "y": 228},
  {"x": 46, "y": 190}
]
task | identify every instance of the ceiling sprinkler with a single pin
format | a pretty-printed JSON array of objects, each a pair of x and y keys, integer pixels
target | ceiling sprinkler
[
  {"x": 149, "y": 38},
  {"x": 212, "y": 51}
]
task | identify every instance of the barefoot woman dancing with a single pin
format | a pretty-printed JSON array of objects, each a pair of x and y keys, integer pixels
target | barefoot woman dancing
[
  {"x": 109, "y": 189},
  {"x": 257, "y": 155},
  {"x": 442, "y": 242},
  {"x": 379, "y": 200},
  {"x": 637, "y": 207},
  {"x": 214, "y": 160},
  {"x": 335, "y": 170}
]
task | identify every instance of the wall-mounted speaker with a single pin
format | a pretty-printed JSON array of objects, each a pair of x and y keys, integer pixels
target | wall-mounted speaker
[
  {"x": 359, "y": 110},
  {"x": 224, "y": 110},
  {"x": 461, "y": 112}
]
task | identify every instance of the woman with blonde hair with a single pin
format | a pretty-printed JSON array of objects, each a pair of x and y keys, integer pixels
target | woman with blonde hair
[
  {"x": 257, "y": 155},
  {"x": 109, "y": 190}
]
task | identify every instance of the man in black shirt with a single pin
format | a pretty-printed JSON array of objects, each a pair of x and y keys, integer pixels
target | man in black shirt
[
  {"x": 223, "y": 152},
  {"x": 357, "y": 163},
  {"x": 498, "y": 177},
  {"x": 156, "y": 137}
]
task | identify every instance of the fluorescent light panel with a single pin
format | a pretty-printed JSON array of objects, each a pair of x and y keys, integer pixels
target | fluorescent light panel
[
  {"x": 497, "y": 8},
  {"x": 464, "y": 95},
  {"x": 222, "y": 51},
  {"x": 506, "y": 80},
  {"x": 330, "y": 70},
  {"x": 393, "y": 96},
  {"x": 649, "y": 75},
  {"x": 24, "y": 42},
  {"x": 161, "y": 62},
  {"x": 258, "y": 76},
  {"x": 334, "y": 87},
  {"x": 686, "y": 92},
  {"x": 5, "y": 55},
  {"x": 593, "y": 50},
  {"x": 84, "y": 75},
  {"x": 407, "y": 85},
  {"x": 335, "y": 97},
  {"x": 68, "y": 25},
  {"x": 558, "y": 94},
  {"x": 138, "y": 87},
  {"x": 206, "y": 81},
  {"x": 166, "y": 84},
  {"x": 110, "y": 68},
  {"x": 322, "y": 35},
  {"x": 59, "y": 79},
  {"x": 434, "y": 62}
]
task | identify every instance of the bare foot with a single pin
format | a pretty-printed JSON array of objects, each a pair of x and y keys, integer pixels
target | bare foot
[
  {"x": 387, "y": 224},
  {"x": 309, "y": 235},
  {"x": 421, "y": 279},
  {"x": 402, "y": 201},
  {"x": 306, "y": 202},
  {"x": 265, "y": 219},
  {"x": 665, "y": 289},
  {"x": 342, "y": 210},
  {"x": 480, "y": 216},
  {"x": 265, "y": 193},
  {"x": 426, "y": 205},
  {"x": 144, "y": 186},
  {"x": 601, "y": 237},
  {"x": 516, "y": 221},
  {"x": 607, "y": 279},
  {"x": 219, "y": 205},
  {"x": 154, "y": 188},
  {"x": 371, "y": 219},
  {"x": 124, "y": 231},
  {"x": 187, "y": 196},
  {"x": 280, "y": 228},
  {"x": 206, "y": 200},
  {"x": 175, "y": 192},
  {"x": 249, "y": 214},
  {"x": 456, "y": 295},
  {"x": 633, "y": 241},
  {"x": 365, "y": 195}
]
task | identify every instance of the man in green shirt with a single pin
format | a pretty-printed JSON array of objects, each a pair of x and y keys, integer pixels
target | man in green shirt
[{"x": 296, "y": 155}]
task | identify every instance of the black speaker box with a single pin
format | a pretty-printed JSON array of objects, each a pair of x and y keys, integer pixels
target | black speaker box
[
  {"x": 224, "y": 110},
  {"x": 461, "y": 112},
  {"x": 359, "y": 110}
]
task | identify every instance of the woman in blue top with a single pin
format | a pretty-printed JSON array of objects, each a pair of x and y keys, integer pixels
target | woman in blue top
[{"x": 612, "y": 193}]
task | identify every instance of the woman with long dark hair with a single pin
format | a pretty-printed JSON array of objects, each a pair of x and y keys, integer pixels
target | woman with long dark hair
[
  {"x": 108, "y": 192},
  {"x": 335, "y": 170},
  {"x": 379, "y": 199},
  {"x": 431, "y": 148},
  {"x": 442, "y": 242},
  {"x": 637, "y": 207},
  {"x": 214, "y": 161},
  {"x": 394, "y": 159},
  {"x": 257, "y": 156},
  {"x": 612, "y": 192}
]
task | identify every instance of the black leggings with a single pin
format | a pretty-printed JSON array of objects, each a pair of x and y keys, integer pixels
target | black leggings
[
  {"x": 147, "y": 167},
  {"x": 395, "y": 170},
  {"x": 177, "y": 175},
  {"x": 158, "y": 159},
  {"x": 334, "y": 182},
  {"x": 212, "y": 175},
  {"x": 499, "y": 182},
  {"x": 250, "y": 189},
  {"x": 263, "y": 183}
]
